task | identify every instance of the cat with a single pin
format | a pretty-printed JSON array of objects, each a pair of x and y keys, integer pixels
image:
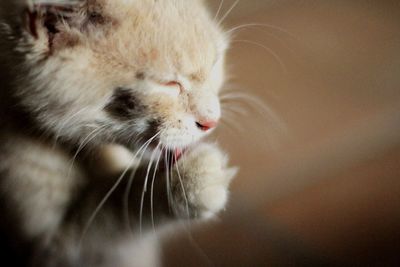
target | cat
[{"x": 104, "y": 106}]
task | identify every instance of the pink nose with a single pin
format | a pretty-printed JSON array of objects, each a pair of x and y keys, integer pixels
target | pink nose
[{"x": 206, "y": 125}]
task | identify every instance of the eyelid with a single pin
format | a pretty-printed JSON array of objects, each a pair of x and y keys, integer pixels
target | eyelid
[{"x": 173, "y": 84}]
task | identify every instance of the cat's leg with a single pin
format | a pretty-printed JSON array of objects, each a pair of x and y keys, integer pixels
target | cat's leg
[
  {"x": 44, "y": 190},
  {"x": 37, "y": 182},
  {"x": 200, "y": 182},
  {"x": 37, "y": 185},
  {"x": 47, "y": 203}
]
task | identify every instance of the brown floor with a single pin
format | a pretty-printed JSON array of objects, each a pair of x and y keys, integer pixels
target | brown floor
[
  {"x": 326, "y": 187},
  {"x": 343, "y": 65}
]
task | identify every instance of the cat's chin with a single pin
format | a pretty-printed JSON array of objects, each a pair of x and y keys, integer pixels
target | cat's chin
[
  {"x": 169, "y": 153},
  {"x": 175, "y": 154},
  {"x": 178, "y": 152}
]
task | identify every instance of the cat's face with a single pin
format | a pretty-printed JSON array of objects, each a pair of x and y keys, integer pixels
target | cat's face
[{"x": 125, "y": 70}]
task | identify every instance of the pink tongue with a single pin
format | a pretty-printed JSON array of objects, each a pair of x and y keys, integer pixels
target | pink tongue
[{"x": 177, "y": 154}]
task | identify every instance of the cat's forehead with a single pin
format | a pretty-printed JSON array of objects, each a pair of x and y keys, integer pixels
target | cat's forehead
[{"x": 171, "y": 35}]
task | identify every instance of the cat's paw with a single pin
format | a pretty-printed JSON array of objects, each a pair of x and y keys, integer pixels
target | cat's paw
[{"x": 204, "y": 174}]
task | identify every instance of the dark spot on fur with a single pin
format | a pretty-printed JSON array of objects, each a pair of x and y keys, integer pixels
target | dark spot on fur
[
  {"x": 153, "y": 126},
  {"x": 124, "y": 105},
  {"x": 140, "y": 76},
  {"x": 31, "y": 18},
  {"x": 96, "y": 18},
  {"x": 50, "y": 22}
]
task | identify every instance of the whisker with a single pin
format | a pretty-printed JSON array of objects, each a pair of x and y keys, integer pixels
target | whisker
[
  {"x": 275, "y": 125},
  {"x": 263, "y": 25},
  {"x": 140, "y": 151},
  {"x": 84, "y": 143},
  {"x": 107, "y": 196},
  {"x": 128, "y": 191},
  {"x": 65, "y": 122},
  {"x": 254, "y": 102},
  {"x": 269, "y": 50},
  {"x": 231, "y": 124},
  {"x": 234, "y": 110},
  {"x": 183, "y": 188},
  {"x": 152, "y": 191},
  {"x": 228, "y": 12},
  {"x": 167, "y": 173},
  {"x": 221, "y": 3},
  {"x": 103, "y": 201},
  {"x": 145, "y": 188},
  {"x": 168, "y": 159}
]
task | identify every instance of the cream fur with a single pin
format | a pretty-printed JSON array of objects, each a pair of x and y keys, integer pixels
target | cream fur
[
  {"x": 94, "y": 81},
  {"x": 113, "y": 55}
]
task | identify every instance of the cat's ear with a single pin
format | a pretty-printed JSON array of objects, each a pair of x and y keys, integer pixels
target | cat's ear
[{"x": 62, "y": 21}]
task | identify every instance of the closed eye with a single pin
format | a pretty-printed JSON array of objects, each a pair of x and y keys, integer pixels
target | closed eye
[{"x": 174, "y": 84}]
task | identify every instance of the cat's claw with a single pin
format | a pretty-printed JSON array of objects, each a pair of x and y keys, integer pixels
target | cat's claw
[{"x": 205, "y": 177}]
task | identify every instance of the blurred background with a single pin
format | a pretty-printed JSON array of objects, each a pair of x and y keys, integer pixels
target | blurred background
[{"x": 319, "y": 183}]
